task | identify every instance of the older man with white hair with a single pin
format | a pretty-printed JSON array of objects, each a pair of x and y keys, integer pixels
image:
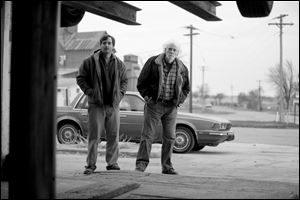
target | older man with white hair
[{"x": 164, "y": 84}]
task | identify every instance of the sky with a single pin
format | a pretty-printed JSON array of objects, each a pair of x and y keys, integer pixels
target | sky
[{"x": 235, "y": 53}]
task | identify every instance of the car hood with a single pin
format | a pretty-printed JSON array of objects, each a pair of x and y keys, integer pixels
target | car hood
[{"x": 185, "y": 115}]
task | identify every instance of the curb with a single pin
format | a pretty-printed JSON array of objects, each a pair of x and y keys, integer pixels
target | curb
[{"x": 122, "y": 152}]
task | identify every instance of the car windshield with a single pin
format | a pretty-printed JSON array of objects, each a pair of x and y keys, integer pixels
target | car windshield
[{"x": 82, "y": 103}]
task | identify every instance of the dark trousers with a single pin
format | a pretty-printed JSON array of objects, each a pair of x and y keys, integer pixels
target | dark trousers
[
  {"x": 103, "y": 120},
  {"x": 153, "y": 113}
]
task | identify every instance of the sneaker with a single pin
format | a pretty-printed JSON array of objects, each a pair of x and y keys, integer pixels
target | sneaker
[
  {"x": 169, "y": 171},
  {"x": 113, "y": 167}
]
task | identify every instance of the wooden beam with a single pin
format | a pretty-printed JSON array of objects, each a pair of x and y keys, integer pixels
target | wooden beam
[
  {"x": 33, "y": 99},
  {"x": 114, "y": 10},
  {"x": 203, "y": 9}
]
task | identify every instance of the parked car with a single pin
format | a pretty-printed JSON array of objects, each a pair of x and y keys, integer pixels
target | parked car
[{"x": 193, "y": 131}]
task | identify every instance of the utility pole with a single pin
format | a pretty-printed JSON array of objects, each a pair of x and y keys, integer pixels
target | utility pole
[
  {"x": 191, "y": 34},
  {"x": 203, "y": 87},
  {"x": 280, "y": 26},
  {"x": 231, "y": 87},
  {"x": 259, "y": 96}
]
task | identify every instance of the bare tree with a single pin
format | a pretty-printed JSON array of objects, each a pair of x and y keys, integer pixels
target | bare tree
[
  {"x": 288, "y": 86},
  {"x": 220, "y": 96}
]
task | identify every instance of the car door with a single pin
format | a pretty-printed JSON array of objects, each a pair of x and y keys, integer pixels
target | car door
[
  {"x": 81, "y": 108},
  {"x": 131, "y": 117}
]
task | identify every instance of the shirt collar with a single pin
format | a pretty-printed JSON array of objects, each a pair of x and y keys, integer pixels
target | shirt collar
[{"x": 112, "y": 57}]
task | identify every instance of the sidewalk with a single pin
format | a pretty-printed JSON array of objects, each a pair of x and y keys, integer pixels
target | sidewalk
[
  {"x": 129, "y": 184},
  {"x": 138, "y": 185}
]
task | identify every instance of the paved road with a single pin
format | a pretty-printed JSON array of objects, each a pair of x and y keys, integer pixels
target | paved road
[
  {"x": 288, "y": 137},
  {"x": 243, "y": 115}
]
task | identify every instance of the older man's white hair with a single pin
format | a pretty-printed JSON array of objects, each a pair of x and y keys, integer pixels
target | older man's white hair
[{"x": 172, "y": 43}]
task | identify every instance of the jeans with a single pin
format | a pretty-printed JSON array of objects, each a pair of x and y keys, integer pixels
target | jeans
[
  {"x": 153, "y": 114},
  {"x": 103, "y": 120}
]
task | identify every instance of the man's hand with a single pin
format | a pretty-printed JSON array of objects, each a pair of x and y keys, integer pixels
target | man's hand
[
  {"x": 89, "y": 92},
  {"x": 147, "y": 99}
]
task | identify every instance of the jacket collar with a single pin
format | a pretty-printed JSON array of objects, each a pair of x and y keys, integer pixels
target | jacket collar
[{"x": 97, "y": 54}]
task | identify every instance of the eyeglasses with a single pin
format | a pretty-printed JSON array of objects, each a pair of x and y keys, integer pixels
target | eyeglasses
[{"x": 172, "y": 49}]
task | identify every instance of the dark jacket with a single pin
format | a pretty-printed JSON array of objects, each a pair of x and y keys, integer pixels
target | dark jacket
[
  {"x": 150, "y": 80},
  {"x": 89, "y": 80}
]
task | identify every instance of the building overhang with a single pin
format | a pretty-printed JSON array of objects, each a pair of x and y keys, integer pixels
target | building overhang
[
  {"x": 73, "y": 11},
  {"x": 203, "y": 9},
  {"x": 114, "y": 10}
]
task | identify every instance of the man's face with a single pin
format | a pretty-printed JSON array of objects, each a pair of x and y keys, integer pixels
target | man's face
[
  {"x": 107, "y": 46},
  {"x": 171, "y": 52}
]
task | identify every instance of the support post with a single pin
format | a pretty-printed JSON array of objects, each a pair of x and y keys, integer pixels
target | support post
[{"x": 33, "y": 99}]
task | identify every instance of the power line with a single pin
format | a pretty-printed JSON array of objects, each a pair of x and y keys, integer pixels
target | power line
[
  {"x": 218, "y": 35},
  {"x": 191, "y": 34}
]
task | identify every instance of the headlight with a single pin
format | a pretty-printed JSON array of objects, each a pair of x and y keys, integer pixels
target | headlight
[
  {"x": 219, "y": 126},
  {"x": 216, "y": 126}
]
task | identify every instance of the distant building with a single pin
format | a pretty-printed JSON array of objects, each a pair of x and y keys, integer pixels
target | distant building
[
  {"x": 229, "y": 100},
  {"x": 74, "y": 47},
  {"x": 133, "y": 71}
]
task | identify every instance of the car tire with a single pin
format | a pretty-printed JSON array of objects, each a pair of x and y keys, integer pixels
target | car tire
[
  {"x": 197, "y": 147},
  {"x": 67, "y": 134},
  {"x": 184, "y": 140},
  {"x": 255, "y": 8}
]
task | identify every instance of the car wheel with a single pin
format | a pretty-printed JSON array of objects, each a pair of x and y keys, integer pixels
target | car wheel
[
  {"x": 67, "y": 134},
  {"x": 197, "y": 147},
  {"x": 184, "y": 141}
]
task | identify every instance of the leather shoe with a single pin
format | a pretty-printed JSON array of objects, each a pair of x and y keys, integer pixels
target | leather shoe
[
  {"x": 113, "y": 167},
  {"x": 89, "y": 170},
  {"x": 139, "y": 169},
  {"x": 169, "y": 171}
]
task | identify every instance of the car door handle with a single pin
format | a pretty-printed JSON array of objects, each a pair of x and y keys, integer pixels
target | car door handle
[
  {"x": 123, "y": 116},
  {"x": 84, "y": 114}
]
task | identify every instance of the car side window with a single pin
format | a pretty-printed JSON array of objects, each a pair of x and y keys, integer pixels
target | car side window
[
  {"x": 124, "y": 104},
  {"x": 136, "y": 104},
  {"x": 131, "y": 103},
  {"x": 83, "y": 103}
]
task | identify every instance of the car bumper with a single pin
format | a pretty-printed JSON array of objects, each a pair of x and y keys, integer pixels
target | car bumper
[{"x": 213, "y": 138}]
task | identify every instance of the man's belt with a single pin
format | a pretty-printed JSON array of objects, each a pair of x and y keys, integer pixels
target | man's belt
[{"x": 166, "y": 102}]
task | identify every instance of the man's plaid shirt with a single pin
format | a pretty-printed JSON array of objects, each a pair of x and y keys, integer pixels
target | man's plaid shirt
[{"x": 168, "y": 84}]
